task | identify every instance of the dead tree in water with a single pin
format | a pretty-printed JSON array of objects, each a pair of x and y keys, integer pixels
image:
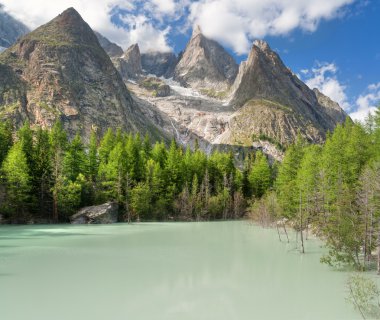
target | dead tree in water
[{"x": 301, "y": 225}]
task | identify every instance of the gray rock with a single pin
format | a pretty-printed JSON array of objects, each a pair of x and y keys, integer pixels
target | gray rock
[
  {"x": 274, "y": 103},
  {"x": 112, "y": 49},
  {"x": 10, "y": 29},
  {"x": 163, "y": 91},
  {"x": 129, "y": 64},
  {"x": 102, "y": 214},
  {"x": 205, "y": 64},
  {"x": 158, "y": 63},
  {"x": 75, "y": 82}
]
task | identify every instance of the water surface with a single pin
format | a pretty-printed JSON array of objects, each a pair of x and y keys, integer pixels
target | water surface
[{"x": 211, "y": 270}]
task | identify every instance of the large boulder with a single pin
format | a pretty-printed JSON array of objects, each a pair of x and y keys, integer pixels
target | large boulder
[{"x": 104, "y": 213}]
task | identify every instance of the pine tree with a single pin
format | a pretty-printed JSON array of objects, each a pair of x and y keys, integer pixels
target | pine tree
[
  {"x": 260, "y": 175},
  {"x": 6, "y": 140},
  {"x": 16, "y": 172},
  {"x": 75, "y": 159},
  {"x": 58, "y": 143},
  {"x": 42, "y": 169}
]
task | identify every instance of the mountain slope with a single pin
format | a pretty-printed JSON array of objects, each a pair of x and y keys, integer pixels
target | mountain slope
[
  {"x": 205, "y": 65},
  {"x": 129, "y": 64},
  {"x": 112, "y": 49},
  {"x": 61, "y": 71},
  {"x": 10, "y": 29},
  {"x": 274, "y": 103},
  {"x": 158, "y": 63}
]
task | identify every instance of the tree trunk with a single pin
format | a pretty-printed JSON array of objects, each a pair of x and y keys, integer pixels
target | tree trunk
[
  {"x": 378, "y": 251},
  {"x": 301, "y": 226}
]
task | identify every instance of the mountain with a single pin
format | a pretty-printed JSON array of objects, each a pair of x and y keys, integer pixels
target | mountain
[
  {"x": 129, "y": 64},
  {"x": 61, "y": 71},
  {"x": 10, "y": 29},
  {"x": 205, "y": 65},
  {"x": 112, "y": 49},
  {"x": 158, "y": 63},
  {"x": 274, "y": 103},
  {"x": 265, "y": 107}
]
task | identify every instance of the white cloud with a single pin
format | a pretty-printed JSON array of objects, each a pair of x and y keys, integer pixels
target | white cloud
[
  {"x": 323, "y": 77},
  {"x": 236, "y": 22},
  {"x": 98, "y": 15},
  {"x": 367, "y": 102}
]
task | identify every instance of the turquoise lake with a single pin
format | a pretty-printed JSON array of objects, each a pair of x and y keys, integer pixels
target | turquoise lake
[{"x": 205, "y": 270}]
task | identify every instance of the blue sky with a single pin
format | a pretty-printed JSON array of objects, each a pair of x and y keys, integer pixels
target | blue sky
[{"x": 331, "y": 44}]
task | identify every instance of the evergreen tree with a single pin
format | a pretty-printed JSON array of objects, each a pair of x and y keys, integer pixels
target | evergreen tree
[
  {"x": 260, "y": 175},
  {"x": 58, "y": 143},
  {"x": 16, "y": 172},
  {"x": 6, "y": 140},
  {"x": 42, "y": 170},
  {"x": 75, "y": 159}
]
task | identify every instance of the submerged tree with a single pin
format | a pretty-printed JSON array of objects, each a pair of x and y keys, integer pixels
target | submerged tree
[{"x": 364, "y": 295}]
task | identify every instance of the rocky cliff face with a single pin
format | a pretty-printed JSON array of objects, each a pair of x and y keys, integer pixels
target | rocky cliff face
[
  {"x": 112, "y": 49},
  {"x": 205, "y": 65},
  {"x": 276, "y": 104},
  {"x": 158, "y": 63},
  {"x": 10, "y": 29},
  {"x": 61, "y": 71},
  {"x": 129, "y": 64}
]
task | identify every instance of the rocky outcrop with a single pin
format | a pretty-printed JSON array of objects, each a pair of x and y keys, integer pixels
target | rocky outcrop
[
  {"x": 59, "y": 71},
  {"x": 274, "y": 103},
  {"x": 112, "y": 49},
  {"x": 331, "y": 107},
  {"x": 158, "y": 63},
  {"x": 102, "y": 214},
  {"x": 129, "y": 64},
  {"x": 205, "y": 65},
  {"x": 10, "y": 29}
]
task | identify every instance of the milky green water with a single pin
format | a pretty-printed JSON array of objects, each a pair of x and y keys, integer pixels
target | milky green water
[{"x": 211, "y": 270}]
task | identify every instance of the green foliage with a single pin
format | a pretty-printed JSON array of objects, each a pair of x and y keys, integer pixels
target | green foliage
[
  {"x": 260, "y": 176},
  {"x": 141, "y": 200},
  {"x": 273, "y": 141},
  {"x": 75, "y": 159},
  {"x": 212, "y": 93},
  {"x": 334, "y": 188},
  {"x": 48, "y": 177},
  {"x": 364, "y": 295},
  {"x": 16, "y": 172},
  {"x": 6, "y": 140}
]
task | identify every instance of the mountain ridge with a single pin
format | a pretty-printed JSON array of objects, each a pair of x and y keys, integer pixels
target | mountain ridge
[{"x": 60, "y": 71}]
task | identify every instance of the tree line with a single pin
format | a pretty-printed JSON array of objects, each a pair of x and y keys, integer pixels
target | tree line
[
  {"x": 47, "y": 177},
  {"x": 334, "y": 190}
]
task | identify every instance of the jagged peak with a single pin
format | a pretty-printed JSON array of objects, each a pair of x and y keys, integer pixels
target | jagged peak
[
  {"x": 196, "y": 31},
  {"x": 133, "y": 47},
  {"x": 69, "y": 15},
  {"x": 65, "y": 29},
  {"x": 262, "y": 45}
]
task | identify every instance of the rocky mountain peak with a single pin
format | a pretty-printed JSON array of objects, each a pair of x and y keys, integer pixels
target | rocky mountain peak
[
  {"x": 129, "y": 64},
  {"x": 205, "y": 64},
  {"x": 10, "y": 29},
  {"x": 61, "y": 71},
  {"x": 280, "y": 103},
  {"x": 132, "y": 51},
  {"x": 196, "y": 31},
  {"x": 262, "y": 45},
  {"x": 112, "y": 49},
  {"x": 67, "y": 29}
]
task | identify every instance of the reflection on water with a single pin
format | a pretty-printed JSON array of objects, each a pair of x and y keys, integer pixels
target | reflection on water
[{"x": 211, "y": 270}]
